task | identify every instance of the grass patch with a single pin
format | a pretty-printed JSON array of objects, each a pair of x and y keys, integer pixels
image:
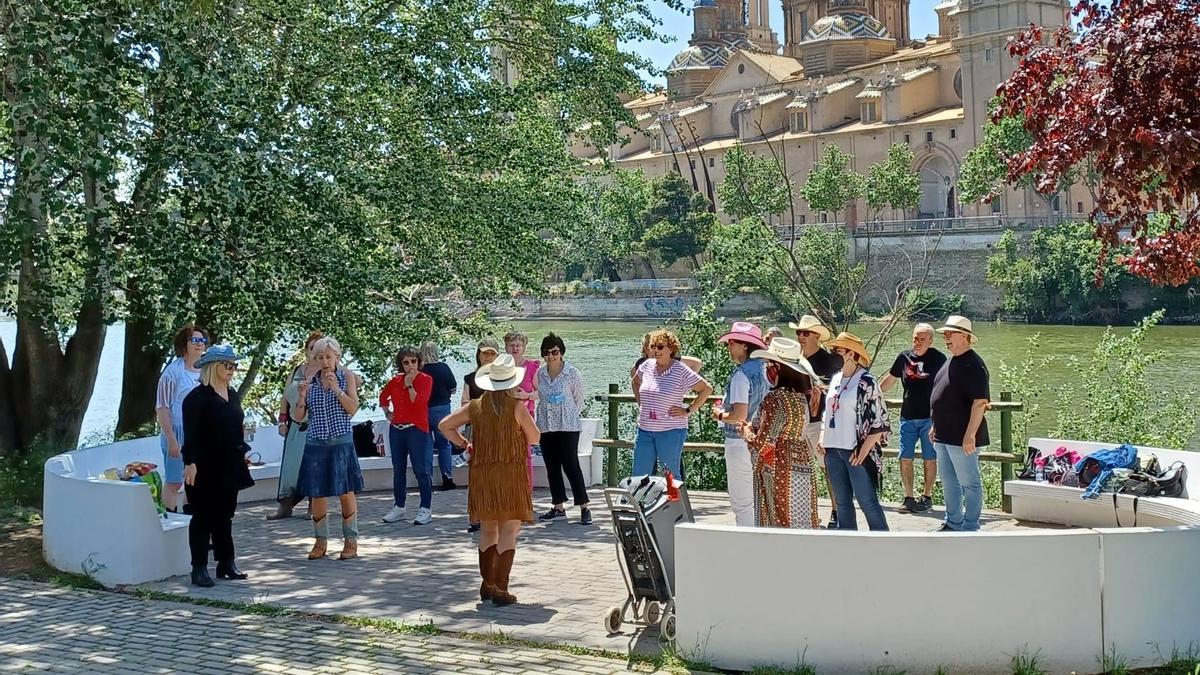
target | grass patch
[
  {"x": 1026, "y": 663},
  {"x": 1112, "y": 663},
  {"x": 776, "y": 670}
]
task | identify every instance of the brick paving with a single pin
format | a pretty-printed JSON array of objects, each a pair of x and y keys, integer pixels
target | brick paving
[
  {"x": 565, "y": 574},
  {"x": 46, "y": 629}
]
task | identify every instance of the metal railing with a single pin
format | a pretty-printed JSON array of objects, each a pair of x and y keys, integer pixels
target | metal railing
[
  {"x": 613, "y": 441},
  {"x": 966, "y": 224}
]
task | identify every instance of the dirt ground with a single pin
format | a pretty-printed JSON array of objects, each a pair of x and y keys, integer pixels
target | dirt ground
[{"x": 21, "y": 545}]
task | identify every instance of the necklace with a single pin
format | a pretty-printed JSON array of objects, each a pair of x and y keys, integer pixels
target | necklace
[{"x": 835, "y": 402}]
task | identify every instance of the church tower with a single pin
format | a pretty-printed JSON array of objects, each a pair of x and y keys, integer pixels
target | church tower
[
  {"x": 798, "y": 18},
  {"x": 758, "y": 26}
]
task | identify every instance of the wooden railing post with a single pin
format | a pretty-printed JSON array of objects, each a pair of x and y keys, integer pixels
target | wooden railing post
[
  {"x": 614, "y": 433},
  {"x": 1006, "y": 445}
]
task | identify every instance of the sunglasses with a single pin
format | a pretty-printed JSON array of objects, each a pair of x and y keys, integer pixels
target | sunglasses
[
  {"x": 658, "y": 347},
  {"x": 804, "y": 333},
  {"x": 229, "y": 365},
  {"x": 198, "y": 340},
  {"x": 554, "y": 352},
  {"x": 406, "y": 362}
]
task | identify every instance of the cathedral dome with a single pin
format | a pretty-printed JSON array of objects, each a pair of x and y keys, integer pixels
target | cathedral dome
[
  {"x": 847, "y": 26},
  {"x": 700, "y": 56},
  {"x": 705, "y": 3}
]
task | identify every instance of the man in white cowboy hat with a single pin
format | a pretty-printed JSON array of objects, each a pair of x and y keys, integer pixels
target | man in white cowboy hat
[
  {"x": 959, "y": 431},
  {"x": 914, "y": 369},
  {"x": 810, "y": 333},
  {"x": 744, "y": 393}
]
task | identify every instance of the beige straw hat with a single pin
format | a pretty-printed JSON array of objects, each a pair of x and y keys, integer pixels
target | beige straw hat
[
  {"x": 811, "y": 323},
  {"x": 499, "y": 375},
  {"x": 959, "y": 324}
]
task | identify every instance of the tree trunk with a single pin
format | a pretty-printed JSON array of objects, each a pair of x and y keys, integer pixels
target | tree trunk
[{"x": 144, "y": 357}]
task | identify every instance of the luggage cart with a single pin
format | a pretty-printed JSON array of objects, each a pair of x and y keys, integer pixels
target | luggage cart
[{"x": 644, "y": 526}]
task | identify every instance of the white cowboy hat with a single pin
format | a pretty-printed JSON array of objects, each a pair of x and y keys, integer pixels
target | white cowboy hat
[
  {"x": 811, "y": 323},
  {"x": 499, "y": 375},
  {"x": 789, "y": 353},
  {"x": 959, "y": 324}
]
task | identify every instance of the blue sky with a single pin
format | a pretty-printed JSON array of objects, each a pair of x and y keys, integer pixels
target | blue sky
[{"x": 679, "y": 26}]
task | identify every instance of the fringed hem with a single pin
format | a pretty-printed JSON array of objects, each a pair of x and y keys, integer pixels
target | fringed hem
[{"x": 499, "y": 492}]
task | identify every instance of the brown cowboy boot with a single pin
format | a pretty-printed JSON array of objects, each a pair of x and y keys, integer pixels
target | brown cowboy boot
[
  {"x": 285, "y": 508},
  {"x": 503, "y": 566},
  {"x": 487, "y": 566},
  {"x": 350, "y": 535},
  {"x": 321, "y": 530}
]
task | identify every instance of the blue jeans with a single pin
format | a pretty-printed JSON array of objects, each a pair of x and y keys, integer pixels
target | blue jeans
[
  {"x": 960, "y": 481},
  {"x": 910, "y": 432},
  {"x": 852, "y": 482},
  {"x": 437, "y": 413},
  {"x": 652, "y": 447},
  {"x": 417, "y": 445}
]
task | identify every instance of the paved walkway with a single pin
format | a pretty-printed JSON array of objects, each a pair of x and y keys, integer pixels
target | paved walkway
[
  {"x": 565, "y": 574},
  {"x": 44, "y": 628}
]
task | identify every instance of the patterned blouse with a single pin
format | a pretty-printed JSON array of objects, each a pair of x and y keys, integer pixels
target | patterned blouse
[
  {"x": 560, "y": 399},
  {"x": 779, "y": 437},
  {"x": 872, "y": 416},
  {"x": 326, "y": 417}
]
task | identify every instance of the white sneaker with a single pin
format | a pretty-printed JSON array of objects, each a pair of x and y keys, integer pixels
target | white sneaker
[
  {"x": 424, "y": 517},
  {"x": 397, "y": 514}
]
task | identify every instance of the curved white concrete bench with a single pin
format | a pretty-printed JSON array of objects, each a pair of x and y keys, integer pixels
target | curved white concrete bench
[
  {"x": 837, "y": 601},
  {"x": 1047, "y": 503},
  {"x": 110, "y": 530}
]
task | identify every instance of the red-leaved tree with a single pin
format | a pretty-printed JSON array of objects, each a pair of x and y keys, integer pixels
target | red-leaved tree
[{"x": 1119, "y": 101}]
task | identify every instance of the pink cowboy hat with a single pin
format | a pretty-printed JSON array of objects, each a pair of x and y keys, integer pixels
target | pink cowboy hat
[{"x": 745, "y": 332}]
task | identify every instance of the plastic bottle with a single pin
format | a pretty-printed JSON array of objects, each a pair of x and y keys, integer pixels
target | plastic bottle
[{"x": 1039, "y": 470}]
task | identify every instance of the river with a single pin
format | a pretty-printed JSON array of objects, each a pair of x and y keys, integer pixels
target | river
[{"x": 604, "y": 350}]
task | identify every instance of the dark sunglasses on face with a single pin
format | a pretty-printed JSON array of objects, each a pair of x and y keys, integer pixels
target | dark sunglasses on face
[
  {"x": 804, "y": 333},
  {"x": 229, "y": 365},
  {"x": 409, "y": 361},
  {"x": 553, "y": 352},
  {"x": 198, "y": 340},
  {"x": 658, "y": 347}
]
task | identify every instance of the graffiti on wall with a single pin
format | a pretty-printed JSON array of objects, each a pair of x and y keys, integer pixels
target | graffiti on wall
[{"x": 660, "y": 308}]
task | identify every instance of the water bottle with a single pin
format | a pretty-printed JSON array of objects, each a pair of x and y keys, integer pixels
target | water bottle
[
  {"x": 1039, "y": 472},
  {"x": 462, "y": 458}
]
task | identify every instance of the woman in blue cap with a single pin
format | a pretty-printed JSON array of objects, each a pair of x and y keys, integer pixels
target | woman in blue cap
[{"x": 215, "y": 464}]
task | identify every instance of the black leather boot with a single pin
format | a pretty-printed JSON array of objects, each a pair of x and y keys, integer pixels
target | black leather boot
[
  {"x": 229, "y": 570},
  {"x": 200, "y": 577}
]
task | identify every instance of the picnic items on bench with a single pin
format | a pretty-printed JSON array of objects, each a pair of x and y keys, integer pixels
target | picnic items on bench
[
  {"x": 141, "y": 472},
  {"x": 1115, "y": 470}
]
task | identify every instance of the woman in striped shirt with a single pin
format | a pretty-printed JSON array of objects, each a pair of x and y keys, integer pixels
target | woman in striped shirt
[{"x": 660, "y": 384}]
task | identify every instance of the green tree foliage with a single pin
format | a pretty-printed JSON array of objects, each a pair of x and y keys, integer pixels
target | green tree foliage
[
  {"x": 1054, "y": 275},
  {"x": 892, "y": 184},
  {"x": 1117, "y": 399},
  {"x": 271, "y": 166},
  {"x": 985, "y": 167},
  {"x": 608, "y": 229},
  {"x": 832, "y": 184},
  {"x": 753, "y": 186},
  {"x": 677, "y": 221}
]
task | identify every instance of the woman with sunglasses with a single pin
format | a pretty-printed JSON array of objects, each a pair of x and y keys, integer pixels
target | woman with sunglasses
[
  {"x": 856, "y": 427},
  {"x": 330, "y": 467},
  {"x": 405, "y": 402},
  {"x": 660, "y": 384},
  {"x": 214, "y": 451},
  {"x": 178, "y": 380},
  {"x": 559, "y": 413}
]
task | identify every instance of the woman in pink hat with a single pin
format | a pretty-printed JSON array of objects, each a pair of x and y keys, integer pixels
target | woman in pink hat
[{"x": 744, "y": 393}]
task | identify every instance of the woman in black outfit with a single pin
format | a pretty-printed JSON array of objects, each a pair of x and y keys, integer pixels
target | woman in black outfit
[{"x": 215, "y": 463}]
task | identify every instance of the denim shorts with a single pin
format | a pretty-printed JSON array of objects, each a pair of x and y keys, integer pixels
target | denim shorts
[{"x": 910, "y": 431}]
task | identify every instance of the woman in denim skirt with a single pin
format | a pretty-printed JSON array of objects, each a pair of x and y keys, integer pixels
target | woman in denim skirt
[{"x": 330, "y": 467}]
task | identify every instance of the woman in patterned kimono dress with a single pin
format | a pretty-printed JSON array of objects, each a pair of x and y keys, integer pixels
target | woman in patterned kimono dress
[{"x": 785, "y": 487}]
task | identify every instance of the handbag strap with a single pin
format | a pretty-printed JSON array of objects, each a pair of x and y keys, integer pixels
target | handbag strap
[{"x": 1117, "y": 511}]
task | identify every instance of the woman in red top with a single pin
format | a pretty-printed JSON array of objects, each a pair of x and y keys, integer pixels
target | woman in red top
[{"x": 405, "y": 401}]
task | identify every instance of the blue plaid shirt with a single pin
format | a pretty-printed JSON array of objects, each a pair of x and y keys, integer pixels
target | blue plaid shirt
[{"x": 326, "y": 416}]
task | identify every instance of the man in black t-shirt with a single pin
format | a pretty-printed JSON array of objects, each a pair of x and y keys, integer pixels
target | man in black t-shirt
[
  {"x": 959, "y": 399},
  {"x": 914, "y": 369}
]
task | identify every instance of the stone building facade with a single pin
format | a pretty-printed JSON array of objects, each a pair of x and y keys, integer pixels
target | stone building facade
[{"x": 849, "y": 73}]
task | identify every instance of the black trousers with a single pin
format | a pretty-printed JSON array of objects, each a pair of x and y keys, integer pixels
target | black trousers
[
  {"x": 560, "y": 452},
  {"x": 212, "y": 519}
]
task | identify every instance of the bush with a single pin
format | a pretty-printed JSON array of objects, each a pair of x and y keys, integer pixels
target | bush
[
  {"x": 926, "y": 303},
  {"x": 1116, "y": 400},
  {"x": 22, "y": 477}
]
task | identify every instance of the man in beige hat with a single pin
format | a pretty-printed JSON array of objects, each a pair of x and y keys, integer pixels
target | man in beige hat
[
  {"x": 959, "y": 399},
  {"x": 810, "y": 333}
]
